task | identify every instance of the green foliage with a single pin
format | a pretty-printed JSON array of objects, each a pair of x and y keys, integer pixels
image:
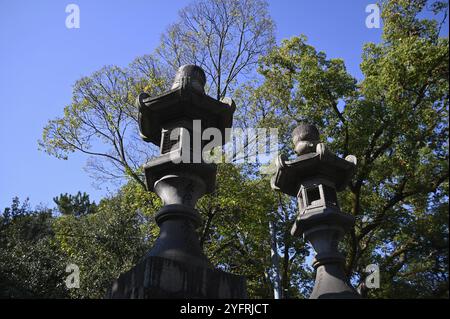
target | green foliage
[
  {"x": 235, "y": 231},
  {"x": 31, "y": 265},
  {"x": 102, "y": 120},
  {"x": 78, "y": 205},
  {"x": 110, "y": 241},
  {"x": 417, "y": 267}
]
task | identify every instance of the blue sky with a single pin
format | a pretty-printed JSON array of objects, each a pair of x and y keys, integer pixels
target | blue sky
[{"x": 40, "y": 60}]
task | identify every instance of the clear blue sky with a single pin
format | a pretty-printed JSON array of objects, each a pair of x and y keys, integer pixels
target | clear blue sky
[{"x": 40, "y": 59}]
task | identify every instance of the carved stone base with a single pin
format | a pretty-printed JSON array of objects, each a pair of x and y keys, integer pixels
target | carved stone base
[
  {"x": 330, "y": 283},
  {"x": 162, "y": 278}
]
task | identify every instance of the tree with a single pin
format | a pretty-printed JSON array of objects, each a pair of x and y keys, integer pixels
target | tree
[
  {"x": 224, "y": 37},
  {"x": 102, "y": 121},
  {"x": 396, "y": 123},
  {"x": 36, "y": 245},
  {"x": 78, "y": 205},
  {"x": 31, "y": 265},
  {"x": 234, "y": 234},
  {"x": 418, "y": 266},
  {"x": 110, "y": 241}
]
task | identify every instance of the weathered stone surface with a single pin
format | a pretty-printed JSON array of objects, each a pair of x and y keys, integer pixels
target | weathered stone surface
[
  {"x": 315, "y": 177},
  {"x": 305, "y": 138},
  {"x": 185, "y": 101},
  {"x": 318, "y": 164},
  {"x": 176, "y": 266},
  {"x": 161, "y": 278},
  {"x": 329, "y": 283}
]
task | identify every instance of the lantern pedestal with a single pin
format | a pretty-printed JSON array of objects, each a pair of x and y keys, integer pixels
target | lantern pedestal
[
  {"x": 164, "y": 278},
  {"x": 176, "y": 266},
  {"x": 331, "y": 281}
]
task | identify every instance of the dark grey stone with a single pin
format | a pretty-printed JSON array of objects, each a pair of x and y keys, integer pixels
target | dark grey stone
[
  {"x": 163, "y": 278},
  {"x": 176, "y": 266},
  {"x": 185, "y": 101},
  {"x": 314, "y": 178},
  {"x": 305, "y": 137}
]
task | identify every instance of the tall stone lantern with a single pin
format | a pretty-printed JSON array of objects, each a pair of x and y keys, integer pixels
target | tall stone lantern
[
  {"x": 315, "y": 177},
  {"x": 176, "y": 266}
]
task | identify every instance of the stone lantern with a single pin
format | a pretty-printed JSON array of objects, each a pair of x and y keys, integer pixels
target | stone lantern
[
  {"x": 315, "y": 177},
  {"x": 176, "y": 266}
]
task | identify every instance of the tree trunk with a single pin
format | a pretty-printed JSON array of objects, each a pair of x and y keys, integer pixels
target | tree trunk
[{"x": 275, "y": 261}]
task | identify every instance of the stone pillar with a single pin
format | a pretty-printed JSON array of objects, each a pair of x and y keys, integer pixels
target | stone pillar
[
  {"x": 331, "y": 281},
  {"x": 315, "y": 177},
  {"x": 176, "y": 266}
]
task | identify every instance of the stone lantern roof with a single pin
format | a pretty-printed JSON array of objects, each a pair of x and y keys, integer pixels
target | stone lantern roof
[
  {"x": 319, "y": 164},
  {"x": 186, "y": 100}
]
